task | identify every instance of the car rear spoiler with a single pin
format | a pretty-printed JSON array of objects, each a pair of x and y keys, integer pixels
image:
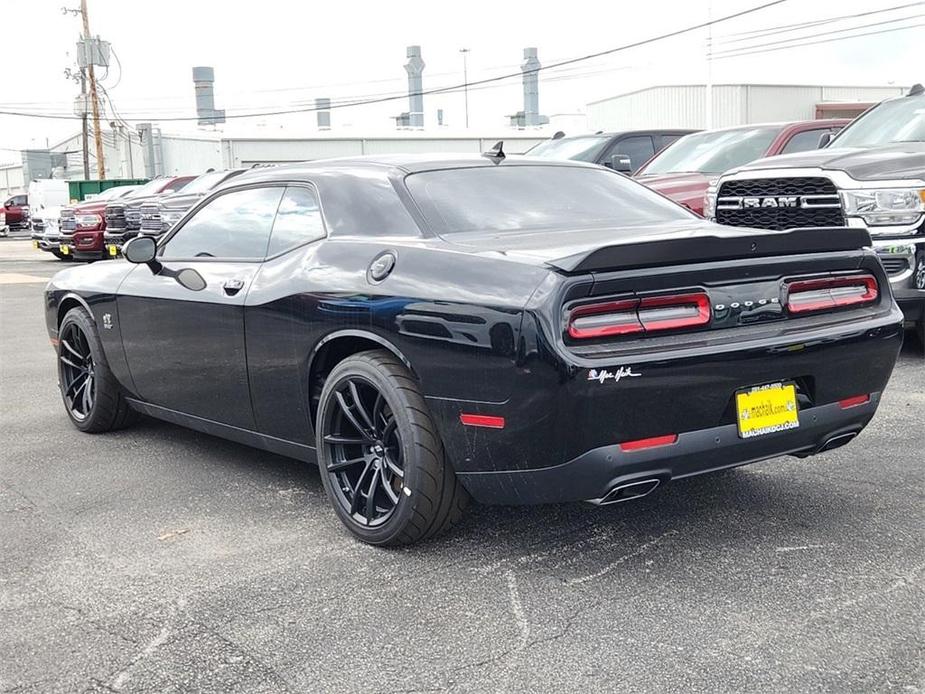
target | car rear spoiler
[{"x": 756, "y": 244}]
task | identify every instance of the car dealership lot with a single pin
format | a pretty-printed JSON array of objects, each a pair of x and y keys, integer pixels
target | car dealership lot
[{"x": 160, "y": 559}]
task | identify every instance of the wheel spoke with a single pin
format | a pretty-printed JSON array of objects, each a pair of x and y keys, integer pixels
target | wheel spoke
[
  {"x": 342, "y": 401},
  {"x": 72, "y": 364},
  {"x": 355, "y": 394},
  {"x": 344, "y": 464},
  {"x": 390, "y": 492},
  {"x": 371, "y": 495},
  {"x": 67, "y": 346},
  {"x": 86, "y": 400},
  {"x": 74, "y": 388},
  {"x": 344, "y": 440},
  {"x": 393, "y": 466},
  {"x": 377, "y": 412},
  {"x": 355, "y": 501}
]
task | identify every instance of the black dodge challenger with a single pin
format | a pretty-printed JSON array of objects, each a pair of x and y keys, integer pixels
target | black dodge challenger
[{"x": 516, "y": 331}]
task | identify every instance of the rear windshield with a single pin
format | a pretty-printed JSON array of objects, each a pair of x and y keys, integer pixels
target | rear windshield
[
  {"x": 585, "y": 148},
  {"x": 712, "y": 152},
  {"x": 509, "y": 198}
]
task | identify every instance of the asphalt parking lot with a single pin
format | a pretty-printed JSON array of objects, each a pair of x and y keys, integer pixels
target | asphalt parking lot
[{"x": 159, "y": 559}]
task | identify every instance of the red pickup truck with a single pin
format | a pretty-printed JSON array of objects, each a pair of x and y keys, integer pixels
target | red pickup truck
[
  {"x": 82, "y": 225},
  {"x": 683, "y": 170},
  {"x": 15, "y": 213}
]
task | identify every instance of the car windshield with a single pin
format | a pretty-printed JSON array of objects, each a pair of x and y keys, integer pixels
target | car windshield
[
  {"x": 902, "y": 120},
  {"x": 149, "y": 188},
  {"x": 113, "y": 193},
  {"x": 713, "y": 152},
  {"x": 516, "y": 198},
  {"x": 205, "y": 183},
  {"x": 585, "y": 148}
]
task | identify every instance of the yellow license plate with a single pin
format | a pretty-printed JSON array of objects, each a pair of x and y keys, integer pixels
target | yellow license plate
[
  {"x": 766, "y": 409},
  {"x": 64, "y": 250},
  {"x": 113, "y": 251},
  {"x": 35, "y": 244}
]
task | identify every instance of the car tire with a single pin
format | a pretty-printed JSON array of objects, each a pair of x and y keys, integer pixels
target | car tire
[
  {"x": 412, "y": 492},
  {"x": 93, "y": 398}
]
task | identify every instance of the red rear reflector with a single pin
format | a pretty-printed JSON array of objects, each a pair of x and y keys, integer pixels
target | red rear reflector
[
  {"x": 854, "y": 402},
  {"x": 648, "y": 314},
  {"x": 653, "y": 442},
  {"x": 482, "y": 420},
  {"x": 806, "y": 296}
]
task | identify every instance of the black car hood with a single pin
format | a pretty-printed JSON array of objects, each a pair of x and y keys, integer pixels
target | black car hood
[{"x": 896, "y": 161}]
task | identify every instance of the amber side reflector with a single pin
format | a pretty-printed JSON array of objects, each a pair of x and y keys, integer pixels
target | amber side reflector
[
  {"x": 654, "y": 442},
  {"x": 854, "y": 402},
  {"x": 482, "y": 420}
]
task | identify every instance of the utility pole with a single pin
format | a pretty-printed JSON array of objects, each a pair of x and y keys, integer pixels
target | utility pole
[
  {"x": 465, "y": 53},
  {"x": 94, "y": 100},
  {"x": 83, "y": 125}
]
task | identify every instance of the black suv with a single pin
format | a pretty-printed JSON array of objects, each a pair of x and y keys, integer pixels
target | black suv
[{"x": 624, "y": 151}]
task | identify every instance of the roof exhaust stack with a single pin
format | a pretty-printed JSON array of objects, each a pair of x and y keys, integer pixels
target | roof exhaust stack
[
  {"x": 414, "y": 117},
  {"x": 530, "y": 68},
  {"x": 203, "y": 81},
  {"x": 323, "y": 113}
]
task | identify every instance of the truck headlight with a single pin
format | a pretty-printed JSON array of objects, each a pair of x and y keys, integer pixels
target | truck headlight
[
  {"x": 85, "y": 221},
  {"x": 885, "y": 207},
  {"x": 709, "y": 199}
]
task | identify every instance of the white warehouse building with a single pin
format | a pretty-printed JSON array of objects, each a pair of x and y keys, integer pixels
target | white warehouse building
[{"x": 684, "y": 106}]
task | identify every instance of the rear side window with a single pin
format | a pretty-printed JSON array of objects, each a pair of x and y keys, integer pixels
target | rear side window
[
  {"x": 559, "y": 198},
  {"x": 638, "y": 148},
  {"x": 298, "y": 220},
  {"x": 804, "y": 141},
  {"x": 233, "y": 225}
]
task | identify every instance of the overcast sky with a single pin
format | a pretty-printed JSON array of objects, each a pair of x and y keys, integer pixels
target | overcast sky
[{"x": 277, "y": 54}]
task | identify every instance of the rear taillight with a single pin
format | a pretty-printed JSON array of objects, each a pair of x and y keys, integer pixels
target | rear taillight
[
  {"x": 826, "y": 293},
  {"x": 643, "y": 315}
]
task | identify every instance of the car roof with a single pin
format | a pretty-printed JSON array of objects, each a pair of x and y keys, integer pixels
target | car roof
[{"x": 393, "y": 163}]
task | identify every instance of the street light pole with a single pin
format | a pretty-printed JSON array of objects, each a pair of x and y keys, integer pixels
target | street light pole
[{"x": 465, "y": 54}]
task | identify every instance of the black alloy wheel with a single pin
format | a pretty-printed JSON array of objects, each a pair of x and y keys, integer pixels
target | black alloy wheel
[
  {"x": 364, "y": 452},
  {"x": 382, "y": 460},
  {"x": 78, "y": 377}
]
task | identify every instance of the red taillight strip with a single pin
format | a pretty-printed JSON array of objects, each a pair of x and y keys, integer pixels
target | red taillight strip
[
  {"x": 650, "y": 319},
  {"x": 822, "y": 294},
  {"x": 854, "y": 401},
  {"x": 646, "y": 314},
  {"x": 482, "y": 420},
  {"x": 654, "y": 442},
  {"x": 586, "y": 322}
]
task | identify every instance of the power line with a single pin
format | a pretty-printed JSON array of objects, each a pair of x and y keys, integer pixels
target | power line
[
  {"x": 784, "y": 28},
  {"x": 814, "y": 36},
  {"x": 813, "y": 43},
  {"x": 457, "y": 87}
]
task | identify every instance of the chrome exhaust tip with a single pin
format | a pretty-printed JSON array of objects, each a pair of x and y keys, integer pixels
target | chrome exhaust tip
[
  {"x": 628, "y": 492},
  {"x": 837, "y": 441}
]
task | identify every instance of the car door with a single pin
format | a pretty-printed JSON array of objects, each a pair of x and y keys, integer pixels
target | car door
[{"x": 183, "y": 325}]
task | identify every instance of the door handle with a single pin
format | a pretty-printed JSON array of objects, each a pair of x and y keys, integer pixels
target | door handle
[{"x": 232, "y": 287}]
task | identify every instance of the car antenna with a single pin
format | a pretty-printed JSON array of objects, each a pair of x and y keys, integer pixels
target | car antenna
[
  {"x": 558, "y": 135},
  {"x": 916, "y": 90},
  {"x": 496, "y": 153}
]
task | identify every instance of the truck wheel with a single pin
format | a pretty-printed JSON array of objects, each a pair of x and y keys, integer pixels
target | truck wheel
[
  {"x": 92, "y": 396},
  {"x": 381, "y": 458}
]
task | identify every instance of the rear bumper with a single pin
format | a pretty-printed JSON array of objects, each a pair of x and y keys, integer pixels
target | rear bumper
[{"x": 592, "y": 475}]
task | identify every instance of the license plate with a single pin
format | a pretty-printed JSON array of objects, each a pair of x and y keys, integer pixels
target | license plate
[
  {"x": 766, "y": 409},
  {"x": 35, "y": 244},
  {"x": 64, "y": 249},
  {"x": 113, "y": 251}
]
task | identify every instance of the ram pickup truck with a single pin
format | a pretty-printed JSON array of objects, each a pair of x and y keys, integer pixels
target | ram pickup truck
[
  {"x": 870, "y": 176},
  {"x": 82, "y": 225},
  {"x": 123, "y": 217},
  {"x": 623, "y": 151},
  {"x": 683, "y": 170},
  {"x": 14, "y": 214}
]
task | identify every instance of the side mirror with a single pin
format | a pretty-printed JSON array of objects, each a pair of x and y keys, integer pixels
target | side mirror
[
  {"x": 621, "y": 163},
  {"x": 824, "y": 139},
  {"x": 8, "y": 204},
  {"x": 141, "y": 249}
]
